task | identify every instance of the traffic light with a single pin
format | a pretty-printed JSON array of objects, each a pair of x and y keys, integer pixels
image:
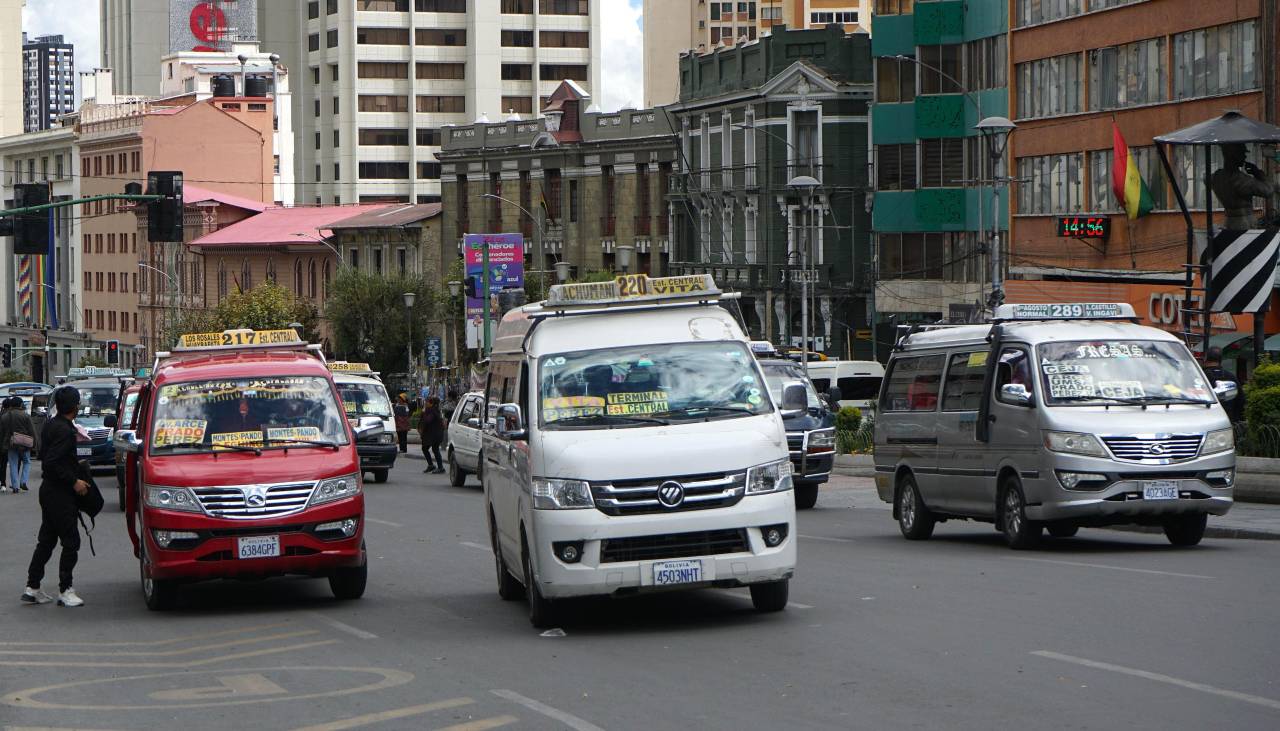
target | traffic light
[
  {"x": 31, "y": 230},
  {"x": 164, "y": 216},
  {"x": 6, "y": 355},
  {"x": 113, "y": 352},
  {"x": 472, "y": 287}
]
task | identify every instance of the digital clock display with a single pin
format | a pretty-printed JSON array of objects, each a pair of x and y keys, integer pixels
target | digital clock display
[{"x": 1084, "y": 227}]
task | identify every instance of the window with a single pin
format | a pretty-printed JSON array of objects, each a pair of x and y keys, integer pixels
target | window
[
  {"x": 428, "y": 137},
  {"x": 317, "y": 140},
  {"x": 517, "y": 38},
  {"x": 895, "y": 80},
  {"x": 573, "y": 201},
  {"x": 1101, "y": 196},
  {"x": 402, "y": 261},
  {"x": 333, "y": 72},
  {"x": 331, "y": 39},
  {"x": 946, "y": 59},
  {"x": 88, "y": 281},
  {"x": 517, "y": 104},
  {"x": 1030, "y": 12},
  {"x": 377, "y": 260},
  {"x": 517, "y": 72},
  {"x": 1219, "y": 60},
  {"x": 382, "y": 70},
  {"x": 986, "y": 63},
  {"x": 383, "y": 103},
  {"x": 246, "y": 276},
  {"x": 913, "y": 256},
  {"x": 384, "y": 170},
  {"x": 313, "y": 9},
  {"x": 913, "y": 384},
  {"x": 313, "y": 42},
  {"x": 331, "y": 7},
  {"x": 311, "y": 279},
  {"x": 441, "y": 37},
  {"x": 353, "y": 258},
  {"x": 1128, "y": 75},
  {"x": 385, "y": 6},
  {"x": 564, "y": 39},
  {"x": 136, "y": 158},
  {"x": 383, "y": 137},
  {"x": 562, "y": 7},
  {"x": 517, "y": 7},
  {"x": 1053, "y": 184},
  {"x": 965, "y": 376},
  {"x": 551, "y": 181},
  {"x": 382, "y": 36},
  {"x": 1188, "y": 167},
  {"x": 1014, "y": 367},
  {"x": 335, "y": 106},
  {"x": 1050, "y": 86},
  {"x": 111, "y": 281},
  {"x": 316, "y": 107},
  {"x": 562, "y": 71},
  {"x": 896, "y": 167},
  {"x": 442, "y": 104},
  {"x": 441, "y": 70},
  {"x": 111, "y": 164},
  {"x": 111, "y": 320},
  {"x": 315, "y": 75},
  {"x": 111, "y": 243},
  {"x": 942, "y": 162},
  {"x": 441, "y": 6},
  {"x": 428, "y": 171}
]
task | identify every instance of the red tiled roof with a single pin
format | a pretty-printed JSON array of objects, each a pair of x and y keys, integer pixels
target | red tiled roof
[
  {"x": 282, "y": 226},
  {"x": 196, "y": 194}
]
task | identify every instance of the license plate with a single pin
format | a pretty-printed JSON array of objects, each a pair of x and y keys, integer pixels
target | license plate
[
  {"x": 1160, "y": 490},
  {"x": 84, "y": 451},
  {"x": 259, "y": 546},
  {"x": 677, "y": 572}
]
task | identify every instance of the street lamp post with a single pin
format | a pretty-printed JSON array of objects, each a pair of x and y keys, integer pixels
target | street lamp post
[
  {"x": 171, "y": 309},
  {"x": 805, "y": 184},
  {"x": 455, "y": 290},
  {"x": 995, "y": 132},
  {"x": 409, "y": 298},
  {"x": 624, "y": 254},
  {"x": 322, "y": 242}
]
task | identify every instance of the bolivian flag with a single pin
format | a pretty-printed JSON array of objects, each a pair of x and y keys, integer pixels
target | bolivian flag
[{"x": 1128, "y": 185}]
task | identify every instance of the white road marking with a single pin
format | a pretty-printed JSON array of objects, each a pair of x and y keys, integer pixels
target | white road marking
[
  {"x": 826, "y": 538},
  {"x": 482, "y": 724},
  {"x": 477, "y": 546},
  {"x": 344, "y": 627},
  {"x": 567, "y": 719},
  {"x": 1113, "y": 568},
  {"x": 1162, "y": 678},
  {"x": 383, "y": 522},
  {"x": 372, "y": 718}
]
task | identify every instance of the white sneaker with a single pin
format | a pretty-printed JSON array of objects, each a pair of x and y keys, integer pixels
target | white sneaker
[
  {"x": 35, "y": 596},
  {"x": 69, "y": 598}
]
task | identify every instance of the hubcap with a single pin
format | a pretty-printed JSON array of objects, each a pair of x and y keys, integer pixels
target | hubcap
[
  {"x": 907, "y": 506},
  {"x": 1012, "y": 512}
]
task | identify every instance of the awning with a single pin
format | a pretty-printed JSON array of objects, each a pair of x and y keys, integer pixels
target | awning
[
  {"x": 1223, "y": 341},
  {"x": 1232, "y": 127},
  {"x": 1272, "y": 343}
]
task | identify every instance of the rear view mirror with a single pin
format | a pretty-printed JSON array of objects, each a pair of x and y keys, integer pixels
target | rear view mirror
[
  {"x": 510, "y": 422},
  {"x": 368, "y": 426},
  {"x": 473, "y": 422},
  {"x": 1226, "y": 390},
  {"x": 109, "y": 421},
  {"x": 795, "y": 400},
  {"x": 1015, "y": 393}
]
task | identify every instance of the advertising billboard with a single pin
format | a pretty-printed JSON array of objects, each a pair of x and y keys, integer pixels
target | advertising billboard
[
  {"x": 506, "y": 271},
  {"x": 211, "y": 25}
]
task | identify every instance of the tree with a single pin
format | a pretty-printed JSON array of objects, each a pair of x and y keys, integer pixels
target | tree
[
  {"x": 367, "y": 314},
  {"x": 267, "y": 306},
  {"x": 93, "y": 361},
  {"x": 13, "y": 376}
]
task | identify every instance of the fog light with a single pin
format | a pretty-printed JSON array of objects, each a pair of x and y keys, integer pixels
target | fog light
[
  {"x": 1082, "y": 480},
  {"x": 568, "y": 551},
  {"x": 1220, "y": 478},
  {"x": 346, "y": 527},
  {"x": 165, "y": 538},
  {"x": 774, "y": 535}
]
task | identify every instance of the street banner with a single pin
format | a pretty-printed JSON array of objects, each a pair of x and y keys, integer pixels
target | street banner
[
  {"x": 434, "y": 358},
  {"x": 506, "y": 271}
]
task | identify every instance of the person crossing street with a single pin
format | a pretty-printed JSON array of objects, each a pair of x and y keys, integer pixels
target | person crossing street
[
  {"x": 58, "y": 510},
  {"x": 431, "y": 429}
]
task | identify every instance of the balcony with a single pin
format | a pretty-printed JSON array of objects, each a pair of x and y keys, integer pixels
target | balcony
[
  {"x": 608, "y": 226},
  {"x": 643, "y": 225}
]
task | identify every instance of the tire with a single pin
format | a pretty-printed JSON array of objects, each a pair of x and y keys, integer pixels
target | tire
[
  {"x": 542, "y": 611},
  {"x": 1020, "y": 533},
  {"x": 159, "y": 594},
  {"x": 348, "y": 583},
  {"x": 915, "y": 520},
  {"x": 1063, "y": 531},
  {"x": 457, "y": 475},
  {"x": 508, "y": 588},
  {"x": 771, "y": 596},
  {"x": 380, "y": 476},
  {"x": 120, "y": 494},
  {"x": 806, "y": 495},
  {"x": 1185, "y": 530}
]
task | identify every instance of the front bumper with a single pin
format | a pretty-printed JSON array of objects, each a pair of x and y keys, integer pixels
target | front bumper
[
  {"x": 808, "y": 467},
  {"x": 593, "y": 576},
  {"x": 1121, "y": 501},
  {"x": 377, "y": 456}
]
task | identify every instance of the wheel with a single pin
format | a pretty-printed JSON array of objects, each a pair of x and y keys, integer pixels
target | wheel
[
  {"x": 1019, "y": 532},
  {"x": 1185, "y": 530},
  {"x": 1063, "y": 531},
  {"x": 914, "y": 519},
  {"x": 380, "y": 475},
  {"x": 542, "y": 612},
  {"x": 771, "y": 596},
  {"x": 457, "y": 475},
  {"x": 508, "y": 588},
  {"x": 159, "y": 594},
  {"x": 349, "y": 582},
  {"x": 806, "y": 495},
  {"x": 120, "y": 494}
]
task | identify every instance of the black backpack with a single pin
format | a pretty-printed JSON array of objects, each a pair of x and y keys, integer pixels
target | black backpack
[{"x": 90, "y": 503}]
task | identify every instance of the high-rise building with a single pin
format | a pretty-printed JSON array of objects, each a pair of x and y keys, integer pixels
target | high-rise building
[
  {"x": 673, "y": 27},
  {"x": 381, "y": 78},
  {"x": 48, "y": 81},
  {"x": 11, "y": 67}
]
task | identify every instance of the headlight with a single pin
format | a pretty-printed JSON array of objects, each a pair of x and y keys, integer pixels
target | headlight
[
  {"x": 771, "y": 477},
  {"x": 1073, "y": 443},
  {"x": 171, "y": 498},
  {"x": 561, "y": 494},
  {"x": 1218, "y": 441},
  {"x": 386, "y": 438},
  {"x": 176, "y": 538},
  {"x": 336, "y": 488},
  {"x": 1082, "y": 480},
  {"x": 822, "y": 441},
  {"x": 1220, "y": 478}
]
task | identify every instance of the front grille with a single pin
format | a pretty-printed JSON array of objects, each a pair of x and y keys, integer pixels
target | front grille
[
  {"x": 98, "y": 434},
  {"x": 232, "y": 502},
  {"x": 674, "y": 545},
  {"x": 1154, "y": 448},
  {"x": 701, "y": 492},
  {"x": 255, "y": 531},
  {"x": 795, "y": 443}
]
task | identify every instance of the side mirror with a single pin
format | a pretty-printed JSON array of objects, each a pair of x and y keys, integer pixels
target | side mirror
[
  {"x": 1016, "y": 394},
  {"x": 128, "y": 441},
  {"x": 368, "y": 427},
  {"x": 1226, "y": 390},
  {"x": 110, "y": 421},
  {"x": 510, "y": 422},
  {"x": 795, "y": 400},
  {"x": 473, "y": 422}
]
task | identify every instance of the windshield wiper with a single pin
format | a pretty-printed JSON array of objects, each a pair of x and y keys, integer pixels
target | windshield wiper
[
  {"x": 723, "y": 409},
  {"x": 590, "y": 418},
  {"x": 309, "y": 442},
  {"x": 1157, "y": 398},
  {"x": 196, "y": 445}
]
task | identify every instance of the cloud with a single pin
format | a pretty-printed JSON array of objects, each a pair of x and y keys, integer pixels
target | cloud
[
  {"x": 75, "y": 20},
  {"x": 623, "y": 54}
]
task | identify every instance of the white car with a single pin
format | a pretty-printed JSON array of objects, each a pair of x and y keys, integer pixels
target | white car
[{"x": 464, "y": 438}]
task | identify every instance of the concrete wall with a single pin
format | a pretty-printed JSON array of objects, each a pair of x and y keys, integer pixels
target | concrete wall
[{"x": 10, "y": 67}]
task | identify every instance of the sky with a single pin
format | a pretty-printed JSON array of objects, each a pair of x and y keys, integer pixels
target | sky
[{"x": 622, "y": 77}]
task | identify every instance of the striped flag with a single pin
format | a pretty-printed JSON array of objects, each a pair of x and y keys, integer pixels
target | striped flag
[
  {"x": 1127, "y": 183},
  {"x": 1243, "y": 269}
]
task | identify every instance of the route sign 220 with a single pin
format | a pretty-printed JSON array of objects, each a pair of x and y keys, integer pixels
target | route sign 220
[{"x": 1084, "y": 227}]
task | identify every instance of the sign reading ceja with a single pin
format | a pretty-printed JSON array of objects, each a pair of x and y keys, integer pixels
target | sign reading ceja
[{"x": 211, "y": 25}]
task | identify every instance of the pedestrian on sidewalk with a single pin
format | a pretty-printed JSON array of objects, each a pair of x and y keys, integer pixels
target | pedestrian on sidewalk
[
  {"x": 401, "y": 411},
  {"x": 4, "y": 452},
  {"x": 431, "y": 429},
  {"x": 17, "y": 437},
  {"x": 1214, "y": 370},
  {"x": 58, "y": 509}
]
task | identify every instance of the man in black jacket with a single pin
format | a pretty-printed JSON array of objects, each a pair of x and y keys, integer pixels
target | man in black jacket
[{"x": 58, "y": 511}]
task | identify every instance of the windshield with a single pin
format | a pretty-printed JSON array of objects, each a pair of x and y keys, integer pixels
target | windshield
[
  {"x": 130, "y": 402},
  {"x": 777, "y": 375},
  {"x": 1110, "y": 371},
  {"x": 95, "y": 400},
  {"x": 364, "y": 399},
  {"x": 274, "y": 411},
  {"x": 650, "y": 384}
]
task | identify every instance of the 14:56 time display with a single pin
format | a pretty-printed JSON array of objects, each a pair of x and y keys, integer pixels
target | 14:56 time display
[{"x": 1084, "y": 227}]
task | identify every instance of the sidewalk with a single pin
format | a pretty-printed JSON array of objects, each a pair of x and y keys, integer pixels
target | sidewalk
[{"x": 1259, "y": 521}]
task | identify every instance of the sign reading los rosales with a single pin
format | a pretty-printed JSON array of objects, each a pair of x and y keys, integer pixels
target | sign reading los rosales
[{"x": 238, "y": 338}]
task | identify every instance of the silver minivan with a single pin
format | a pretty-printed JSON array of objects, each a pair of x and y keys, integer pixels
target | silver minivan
[{"x": 1053, "y": 417}]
